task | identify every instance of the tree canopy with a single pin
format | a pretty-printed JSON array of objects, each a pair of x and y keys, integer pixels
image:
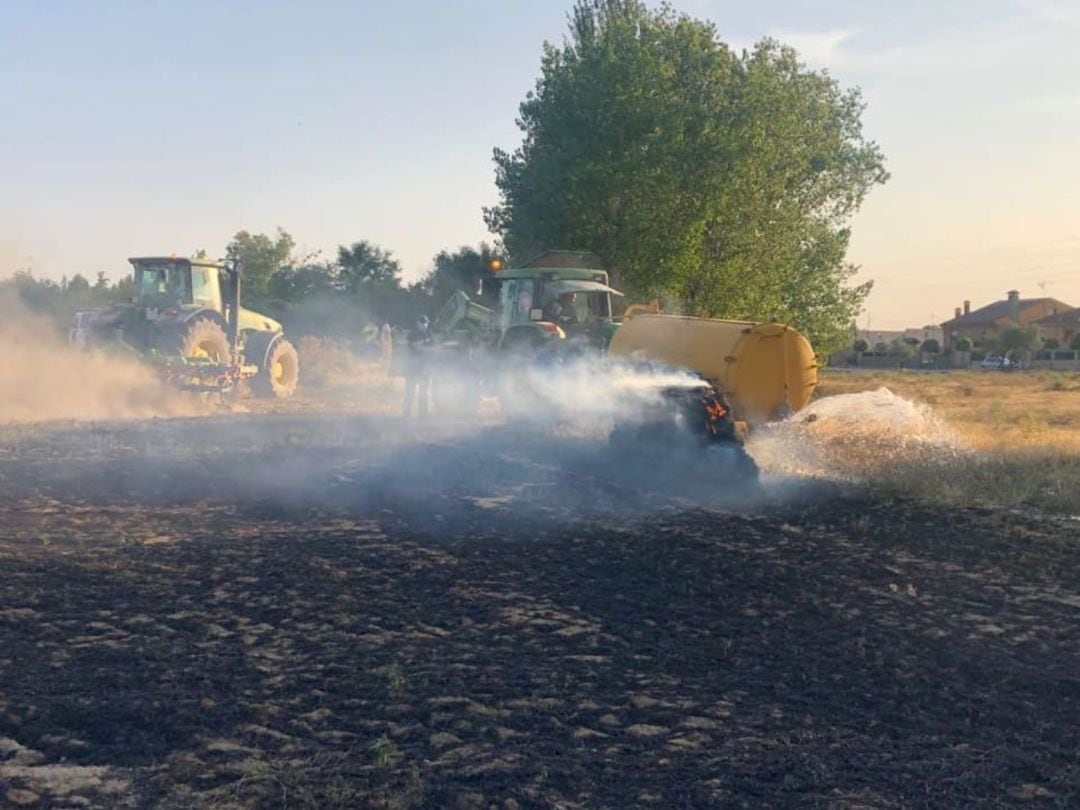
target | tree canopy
[
  {"x": 1019, "y": 339},
  {"x": 721, "y": 181},
  {"x": 366, "y": 266},
  {"x": 901, "y": 349},
  {"x": 262, "y": 256},
  {"x": 60, "y": 300},
  {"x": 464, "y": 270}
]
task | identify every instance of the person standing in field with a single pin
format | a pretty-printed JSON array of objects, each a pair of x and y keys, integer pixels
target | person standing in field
[
  {"x": 386, "y": 345},
  {"x": 418, "y": 367}
]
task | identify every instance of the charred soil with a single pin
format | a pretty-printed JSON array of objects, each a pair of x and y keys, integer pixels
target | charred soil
[{"x": 280, "y": 611}]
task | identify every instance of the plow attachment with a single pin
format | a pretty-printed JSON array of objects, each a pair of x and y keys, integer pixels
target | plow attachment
[{"x": 201, "y": 375}]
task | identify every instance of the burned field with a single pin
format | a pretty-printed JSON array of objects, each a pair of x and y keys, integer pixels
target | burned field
[{"x": 290, "y": 611}]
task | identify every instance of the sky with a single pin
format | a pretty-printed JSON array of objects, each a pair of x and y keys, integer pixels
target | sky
[{"x": 164, "y": 127}]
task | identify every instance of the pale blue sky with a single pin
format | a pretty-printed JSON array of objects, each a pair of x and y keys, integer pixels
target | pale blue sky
[{"x": 128, "y": 128}]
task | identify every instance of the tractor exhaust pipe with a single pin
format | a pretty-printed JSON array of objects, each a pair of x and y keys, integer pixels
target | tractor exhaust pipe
[{"x": 232, "y": 302}]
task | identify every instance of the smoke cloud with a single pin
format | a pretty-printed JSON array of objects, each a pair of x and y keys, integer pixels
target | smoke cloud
[{"x": 530, "y": 435}]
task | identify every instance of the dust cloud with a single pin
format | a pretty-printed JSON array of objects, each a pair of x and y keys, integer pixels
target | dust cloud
[{"x": 43, "y": 378}]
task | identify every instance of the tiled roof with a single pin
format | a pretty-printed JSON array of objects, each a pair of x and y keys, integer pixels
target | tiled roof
[
  {"x": 1067, "y": 317},
  {"x": 994, "y": 312}
]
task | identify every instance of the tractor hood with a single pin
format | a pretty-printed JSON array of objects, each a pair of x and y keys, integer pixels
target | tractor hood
[
  {"x": 257, "y": 322},
  {"x": 250, "y": 320}
]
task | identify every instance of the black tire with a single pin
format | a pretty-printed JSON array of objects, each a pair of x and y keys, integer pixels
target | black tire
[
  {"x": 204, "y": 337},
  {"x": 280, "y": 374}
]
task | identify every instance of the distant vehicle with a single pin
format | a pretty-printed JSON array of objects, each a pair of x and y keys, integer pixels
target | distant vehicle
[
  {"x": 995, "y": 362},
  {"x": 186, "y": 317}
]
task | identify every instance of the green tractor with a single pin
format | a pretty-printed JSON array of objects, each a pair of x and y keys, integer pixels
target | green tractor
[
  {"x": 185, "y": 315},
  {"x": 550, "y": 309},
  {"x": 554, "y": 304}
]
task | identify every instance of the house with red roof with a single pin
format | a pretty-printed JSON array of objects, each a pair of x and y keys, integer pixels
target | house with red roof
[{"x": 983, "y": 326}]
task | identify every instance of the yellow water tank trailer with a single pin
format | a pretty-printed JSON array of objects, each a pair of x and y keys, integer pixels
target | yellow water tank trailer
[{"x": 764, "y": 369}]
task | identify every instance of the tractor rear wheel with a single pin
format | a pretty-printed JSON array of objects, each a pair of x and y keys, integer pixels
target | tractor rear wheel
[
  {"x": 280, "y": 375},
  {"x": 206, "y": 338}
]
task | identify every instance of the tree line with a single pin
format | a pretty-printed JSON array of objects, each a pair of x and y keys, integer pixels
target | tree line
[
  {"x": 361, "y": 285},
  {"x": 60, "y": 300}
]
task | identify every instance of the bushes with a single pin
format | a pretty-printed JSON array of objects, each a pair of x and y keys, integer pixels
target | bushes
[{"x": 325, "y": 361}]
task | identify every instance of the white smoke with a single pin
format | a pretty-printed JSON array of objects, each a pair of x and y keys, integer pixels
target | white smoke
[{"x": 591, "y": 389}]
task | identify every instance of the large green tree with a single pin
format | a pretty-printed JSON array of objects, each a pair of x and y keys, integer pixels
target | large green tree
[
  {"x": 364, "y": 266},
  {"x": 723, "y": 181},
  {"x": 290, "y": 285},
  {"x": 262, "y": 255},
  {"x": 371, "y": 277}
]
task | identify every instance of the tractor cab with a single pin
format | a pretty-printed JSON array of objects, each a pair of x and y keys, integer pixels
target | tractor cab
[
  {"x": 173, "y": 282},
  {"x": 178, "y": 285},
  {"x": 161, "y": 286},
  {"x": 555, "y": 298}
]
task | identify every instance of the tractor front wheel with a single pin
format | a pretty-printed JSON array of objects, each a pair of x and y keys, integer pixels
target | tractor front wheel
[
  {"x": 281, "y": 374},
  {"x": 205, "y": 338}
]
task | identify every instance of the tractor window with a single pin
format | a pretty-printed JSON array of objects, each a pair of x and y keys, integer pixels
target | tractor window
[
  {"x": 599, "y": 305},
  {"x": 517, "y": 301},
  {"x": 575, "y": 307},
  {"x": 166, "y": 285},
  {"x": 205, "y": 289}
]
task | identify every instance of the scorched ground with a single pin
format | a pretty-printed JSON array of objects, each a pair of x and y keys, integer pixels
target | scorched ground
[{"x": 280, "y": 611}]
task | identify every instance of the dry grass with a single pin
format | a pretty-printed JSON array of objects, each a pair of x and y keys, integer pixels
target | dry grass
[
  {"x": 334, "y": 378},
  {"x": 1021, "y": 432},
  {"x": 326, "y": 362}
]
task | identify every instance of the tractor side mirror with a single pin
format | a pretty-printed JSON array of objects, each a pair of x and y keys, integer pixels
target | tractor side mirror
[{"x": 536, "y": 314}]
